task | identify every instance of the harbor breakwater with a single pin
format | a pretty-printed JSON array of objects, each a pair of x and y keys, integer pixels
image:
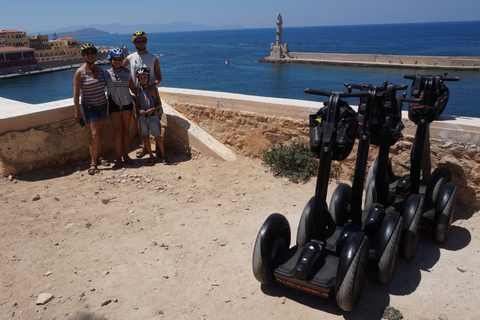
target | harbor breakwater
[{"x": 282, "y": 55}]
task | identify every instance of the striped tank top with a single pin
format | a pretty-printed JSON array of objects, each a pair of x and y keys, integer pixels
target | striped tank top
[{"x": 93, "y": 90}]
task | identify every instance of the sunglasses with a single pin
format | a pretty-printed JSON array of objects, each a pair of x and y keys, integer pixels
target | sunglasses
[
  {"x": 140, "y": 41},
  {"x": 90, "y": 53}
]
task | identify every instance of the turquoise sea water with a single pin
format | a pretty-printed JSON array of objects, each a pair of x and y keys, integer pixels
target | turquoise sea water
[{"x": 196, "y": 60}]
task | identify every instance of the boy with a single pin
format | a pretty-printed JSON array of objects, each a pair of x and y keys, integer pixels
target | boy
[{"x": 150, "y": 112}]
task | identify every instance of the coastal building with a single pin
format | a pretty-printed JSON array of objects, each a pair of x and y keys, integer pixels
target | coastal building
[
  {"x": 15, "y": 38},
  {"x": 39, "y": 42},
  {"x": 18, "y": 58},
  {"x": 60, "y": 49}
]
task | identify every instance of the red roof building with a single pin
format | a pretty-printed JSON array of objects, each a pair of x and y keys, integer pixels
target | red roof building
[{"x": 16, "y": 57}]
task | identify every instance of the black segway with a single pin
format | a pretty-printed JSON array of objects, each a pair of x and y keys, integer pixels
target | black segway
[
  {"x": 383, "y": 228},
  {"x": 323, "y": 261},
  {"x": 436, "y": 199}
]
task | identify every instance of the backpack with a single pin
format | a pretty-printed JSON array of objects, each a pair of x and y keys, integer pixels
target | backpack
[
  {"x": 435, "y": 107},
  {"x": 387, "y": 116},
  {"x": 345, "y": 129}
]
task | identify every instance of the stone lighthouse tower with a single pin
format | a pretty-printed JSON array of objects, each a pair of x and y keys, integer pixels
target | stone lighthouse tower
[
  {"x": 279, "y": 30},
  {"x": 278, "y": 50}
]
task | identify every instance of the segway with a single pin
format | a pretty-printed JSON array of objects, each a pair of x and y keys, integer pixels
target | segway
[
  {"x": 436, "y": 199},
  {"x": 323, "y": 262},
  {"x": 382, "y": 228}
]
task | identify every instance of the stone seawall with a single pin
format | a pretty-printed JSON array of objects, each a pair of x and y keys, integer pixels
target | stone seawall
[
  {"x": 35, "y": 136},
  {"x": 402, "y": 61}
]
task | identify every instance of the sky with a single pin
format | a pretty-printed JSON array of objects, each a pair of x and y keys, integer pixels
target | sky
[{"x": 49, "y": 15}]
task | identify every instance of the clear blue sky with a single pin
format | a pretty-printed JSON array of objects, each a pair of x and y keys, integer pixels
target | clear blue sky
[{"x": 47, "y": 15}]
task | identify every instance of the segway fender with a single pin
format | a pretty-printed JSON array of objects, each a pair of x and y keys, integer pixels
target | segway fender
[
  {"x": 411, "y": 209},
  {"x": 439, "y": 178},
  {"x": 350, "y": 248},
  {"x": 272, "y": 239},
  {"x": 274, "y": 225},
  {"x": 444, "y": 210},
  {"x": 444, "y": 196},
  {"x": 387, "y": 230}
]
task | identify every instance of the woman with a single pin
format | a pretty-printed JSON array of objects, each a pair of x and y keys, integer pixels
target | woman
[
  {"x": 120, "y": 105},
  {"x": 89, "y": 83}
]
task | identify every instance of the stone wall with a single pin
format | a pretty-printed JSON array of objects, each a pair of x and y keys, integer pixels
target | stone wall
[
  {"x": 249, "y": 133},
  {"x": 35, "y": 136}
]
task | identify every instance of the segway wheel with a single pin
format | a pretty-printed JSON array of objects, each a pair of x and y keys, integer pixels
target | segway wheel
[
  {"x": 439, "y": 178},
  {"x": 340, "y": 204},
  {"x": 272, "y": 239},
  {"x": 351, "y": 271},
  {"x": 412, "y": 223},
  {"x": 370, "y": 196},
  {"x": 388, "y": 246},
  {"x": 305, "y": 231},
  {"x": 444, "y": 208}
]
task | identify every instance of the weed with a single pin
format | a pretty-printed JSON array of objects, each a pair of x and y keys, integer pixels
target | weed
[{"x": 293, "y": 161}]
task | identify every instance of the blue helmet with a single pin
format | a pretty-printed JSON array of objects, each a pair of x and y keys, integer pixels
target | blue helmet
[{"x": 117, "y": 52}]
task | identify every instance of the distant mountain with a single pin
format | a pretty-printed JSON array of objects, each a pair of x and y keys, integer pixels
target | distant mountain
[
  {"x": 86, "y": 32},
  {"x": 129, "y": 29}
]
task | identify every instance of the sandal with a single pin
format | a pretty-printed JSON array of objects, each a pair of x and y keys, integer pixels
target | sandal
[
  {"x": 165, "y": 160},
  {"x": 118, "y": 164},
  {"x": 151, "y": 161},
  {"x": 141, "y": 152},
  {"x": 104, "y": 162},
  {"x": 92, "y": 169},
  {"x": 128, "y": 160}
]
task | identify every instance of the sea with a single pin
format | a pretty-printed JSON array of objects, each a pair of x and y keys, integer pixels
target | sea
[{"x": 198, "y": 60}]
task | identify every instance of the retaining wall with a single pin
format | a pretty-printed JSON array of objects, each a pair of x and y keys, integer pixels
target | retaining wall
[{"x": 33, "y": 136}]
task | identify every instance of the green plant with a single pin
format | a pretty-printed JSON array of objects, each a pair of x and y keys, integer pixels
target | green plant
[
  {"x": 390, "y": 313},
  {"x": 294, "y": 160}
]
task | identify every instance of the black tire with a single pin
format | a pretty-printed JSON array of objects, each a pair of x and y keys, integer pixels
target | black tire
[
  {"x": 388, "y": 246},
  {"x": 444, "y": 208},
  {"x": 340, "y": 204},
  {"x": 351, "y": 271},
  {"x": 412, "y": 224},
  {"x": 272, "y": 239},
  {"x": 439, "y": 178},
  {"x": 305, "y": 231}
]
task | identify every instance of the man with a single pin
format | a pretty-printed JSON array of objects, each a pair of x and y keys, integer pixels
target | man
[{"x": 141, "y": 59}]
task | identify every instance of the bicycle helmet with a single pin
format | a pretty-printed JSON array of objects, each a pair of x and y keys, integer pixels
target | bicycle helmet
[
  {"x": 139, "y": 34},
  {"x": 117, "y": 52},
  {"x": 142, "y": 70},
  {"x": 88, "y": 46}
]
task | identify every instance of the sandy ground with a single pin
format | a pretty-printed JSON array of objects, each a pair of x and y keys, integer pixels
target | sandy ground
[{"x": 176, "y": 242}]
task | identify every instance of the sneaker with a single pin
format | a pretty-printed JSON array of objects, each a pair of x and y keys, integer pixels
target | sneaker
[{"x": 165, "y": 160}]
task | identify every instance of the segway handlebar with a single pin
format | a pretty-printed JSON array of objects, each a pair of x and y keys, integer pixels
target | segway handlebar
[
  {"x": 380, "y": 88},
  {"x": 340, "y": 93},
  {"x": 442, "y": 77}
]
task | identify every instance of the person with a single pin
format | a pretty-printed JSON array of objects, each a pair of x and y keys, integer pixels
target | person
[
  {"x": 143, "y": 58},
  {"x": 89, "y": 84},
  {"x": 149, "y": 109},
  {"x": 120, "y": 105}
]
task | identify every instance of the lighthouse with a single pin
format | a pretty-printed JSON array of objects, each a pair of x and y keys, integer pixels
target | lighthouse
[
  {"x": 279, "y": 50},
  {"x": 279, "y": 30}
]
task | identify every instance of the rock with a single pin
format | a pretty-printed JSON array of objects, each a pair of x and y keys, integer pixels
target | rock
[
  {"x": 44, "y": 298},
  {"x": 104, "y": 303},
  {"x": 36, "y": 197},
  {"x": 10, "y": 178}
]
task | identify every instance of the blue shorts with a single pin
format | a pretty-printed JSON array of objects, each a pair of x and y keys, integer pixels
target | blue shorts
[
  {"x": 152, "y": 126},
  {"x": 95, "y": 113}
]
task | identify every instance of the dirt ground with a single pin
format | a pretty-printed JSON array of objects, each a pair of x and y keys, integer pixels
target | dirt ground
[{"x": 176, "y": 242}]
